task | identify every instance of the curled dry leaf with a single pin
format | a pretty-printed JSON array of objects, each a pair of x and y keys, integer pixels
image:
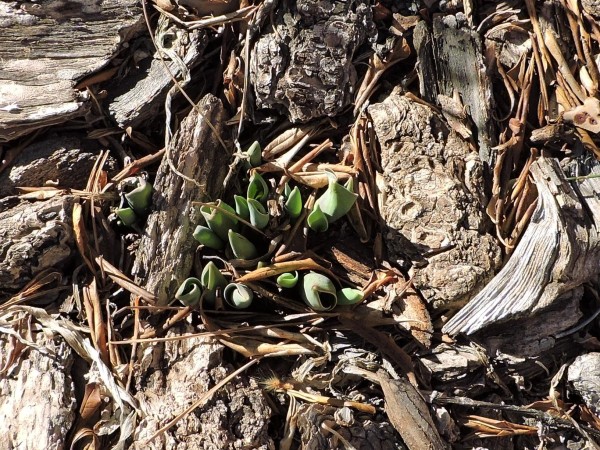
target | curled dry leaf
[{"x": 282, "y": 267}]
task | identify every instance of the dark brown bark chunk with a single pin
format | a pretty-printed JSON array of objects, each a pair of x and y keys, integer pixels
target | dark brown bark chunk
[{"x": 303, "y": 68}]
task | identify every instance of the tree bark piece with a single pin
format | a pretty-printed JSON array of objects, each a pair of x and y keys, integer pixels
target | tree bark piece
[
  {"x": 42, "y": 56},
  {"x": 584, "y": 379},
  {"x": 33, "y": 237},
  {"x": 433, "y": 203},
  {"x": 559, "y": 251},
  {"x": 37, "y": 398},
  {"x": 236, "y": 417},
  {"x": 360, "y": 431},
  {"x": 140, "y": 96},
  {"x": 303, "y": 68},
  {"x": 67, "y": 159},
  {"x": 450, "y": 59},
  {"x": 165, "y": 255}
]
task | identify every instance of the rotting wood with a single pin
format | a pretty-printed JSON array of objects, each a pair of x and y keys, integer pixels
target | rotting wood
[
  {"x": 559, "y": 251},
  {"x": 42, "y": 57},
  {"x": 166, "y": 252},
  {"x": 433, "y": 203}
]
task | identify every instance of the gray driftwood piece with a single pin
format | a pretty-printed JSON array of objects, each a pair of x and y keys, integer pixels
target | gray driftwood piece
[
  {"x": 433, "y": 203},
  {"x": 37, "y": 396},
  {"x": 34, "y": 236},
  {"x": 42, "y": 57},
  {"x": 166, "y": 252},
  {"x": 559, "y": 251},
  {"x": 450, "y": 58},
  {"x": 303, "y": 68},
  {"x": 140, "y": 96}
]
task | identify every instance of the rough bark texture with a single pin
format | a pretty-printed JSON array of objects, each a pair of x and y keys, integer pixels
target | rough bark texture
[
  {"x": 358, "y": 430},
  {"x": 165, "y": 255},
  {"x": 37, "y": 398},
  {"x": 433, "y": 201},
  {"x": 236, "y": 417},
  {"x": 304, "y": 68},
  {"x": 559, "y": 251},
  {"x": 33, "y": 237},
  {"x": 42, "y": 57},
  {"x": 143, "y": 93},
  {"x": 64, "y": 160}
]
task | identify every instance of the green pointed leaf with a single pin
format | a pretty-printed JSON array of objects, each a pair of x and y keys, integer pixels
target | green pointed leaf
[
  {"x": 140, "y": 197},
  {"x": 258, "y": 188},
  {"x": 317, "y": 221},
  {"x": 349, "y": 296},
  {"x": 318, "y": 292},
  {"x": 254, "y": 154},
  {"x": 238, "y": 295},
  {"x": 293, "y": 203},
  {"x": 189, "y": 292},
  {"x": 212, "y": 279},
  {"x": 258, "y": 215},
  {"x": 127, "y": 216},
  {"x": 218, "y": 221},
  {"x": 241, "y": 207},
  {"x": 288, "y": 279},
  {"x": 241, "y": 247},
  {"x": 208, "y": 238},
  {"x": 336, "y": 201}
]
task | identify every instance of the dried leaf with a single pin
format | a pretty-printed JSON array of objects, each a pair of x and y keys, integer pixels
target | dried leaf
[
  {"x": 282, "y": 267},
  {"x": 91, "y": 403},
  {"x": 486, "y": 427}
]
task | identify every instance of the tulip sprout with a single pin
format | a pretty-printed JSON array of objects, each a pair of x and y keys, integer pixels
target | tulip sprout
[
  {"x": 226, "y": 229},
  {"x": 189, "y": 292}
]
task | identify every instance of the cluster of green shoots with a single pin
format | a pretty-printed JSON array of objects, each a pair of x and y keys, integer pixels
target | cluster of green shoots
[
  {"x": 235, "y": 231},
  {"x": 136, "y": 198}
]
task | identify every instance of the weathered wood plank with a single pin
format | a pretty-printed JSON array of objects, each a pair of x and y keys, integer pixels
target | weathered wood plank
[
  {"x": 42, "y": 57},
  {"x": 143, "y": 93},
  {"x": 450, "y": 59},
  {"x": 559, "y": 251}
]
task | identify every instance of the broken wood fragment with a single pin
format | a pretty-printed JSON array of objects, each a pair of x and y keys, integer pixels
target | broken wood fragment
[{"x": 165, "y": 255}]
